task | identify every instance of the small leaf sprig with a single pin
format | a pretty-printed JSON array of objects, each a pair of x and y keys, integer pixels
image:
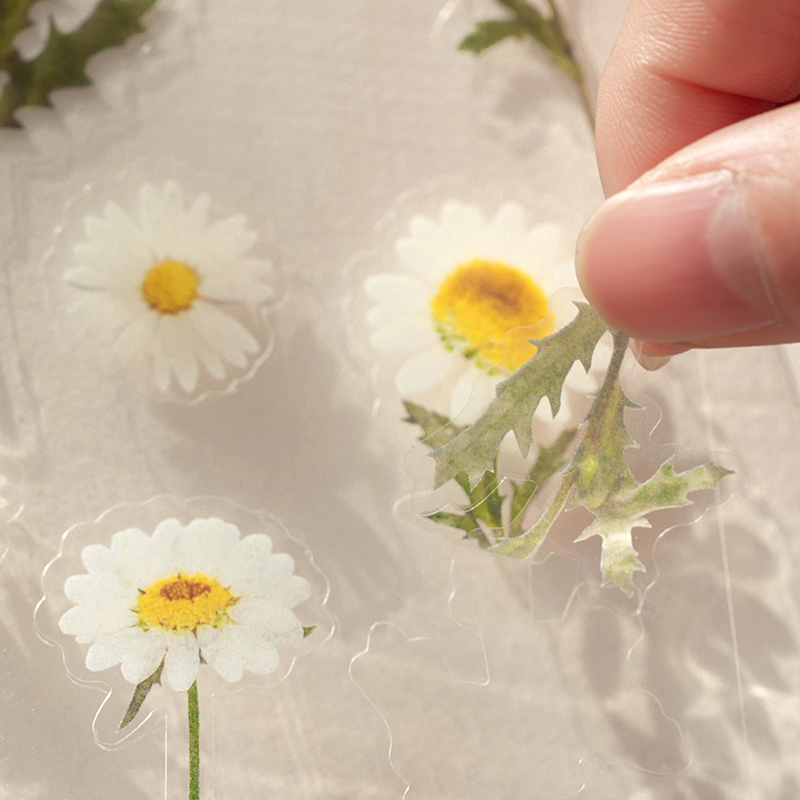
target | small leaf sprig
[
  {"x": 527, "y": 22},
  {"x": 62, "y": 63}
]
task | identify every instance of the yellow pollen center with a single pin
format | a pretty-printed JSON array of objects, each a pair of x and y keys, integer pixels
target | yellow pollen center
[
  {"x": 170, "y": 287},
  {"x": 184, "y": 603},
  {"x": 487, "y": 311}
]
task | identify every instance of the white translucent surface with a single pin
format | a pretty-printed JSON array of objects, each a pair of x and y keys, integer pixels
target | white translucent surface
[{"x": 450, "y": 673}]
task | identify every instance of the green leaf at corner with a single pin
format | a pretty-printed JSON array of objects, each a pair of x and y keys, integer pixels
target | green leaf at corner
[
  {"x": 473, "y": 451},
  {"x": 63, "y": 62},
  {"x": 626, "y": 509},
  {"x": 140, "y": 695},
  {"x": 491, "y": 31},
  {"x": 307, "y": 631}
]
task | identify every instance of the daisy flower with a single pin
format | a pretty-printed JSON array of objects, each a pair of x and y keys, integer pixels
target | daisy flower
[
  {"x": 185, "y": 596},
  {"x": 157, "y": 283},
  {"x": 473, "y": 292}
]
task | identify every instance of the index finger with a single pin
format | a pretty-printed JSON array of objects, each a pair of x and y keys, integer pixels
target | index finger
[{"x": 682, "y": 69}]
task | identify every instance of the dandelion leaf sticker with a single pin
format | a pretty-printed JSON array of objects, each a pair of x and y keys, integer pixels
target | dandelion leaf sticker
[
  {"x": 63, "y": 62},
  {"x": 473, "y": 450},
  {"x": 627, "y": 509},
  {"x": 605, "y": 485},
  {"x": 599, "y": 479}
]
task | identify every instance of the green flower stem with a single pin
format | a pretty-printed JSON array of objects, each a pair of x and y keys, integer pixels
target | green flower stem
[
  {"x": 570, "y": 64},
  {"x": 194, "y": 743},
  {"x": 551, "y": 34}
]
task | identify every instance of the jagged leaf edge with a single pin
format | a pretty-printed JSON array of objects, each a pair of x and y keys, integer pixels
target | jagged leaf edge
[
  {"x": 474, "y": 449},
  {"x": 63, "y": 61}
]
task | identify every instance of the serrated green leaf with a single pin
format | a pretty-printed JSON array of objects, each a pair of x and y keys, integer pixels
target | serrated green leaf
[
  {"x": 473, "y": 450},
  {"x": 140, "y": 695},
  {"x": 13, "y": 19},
  {"x": 459, "y": 521},
  {"x": 626, "y": 509},
  {"x": 491, "y": 31},
  {"x": 437, "y": 429},
  {"x": 63, "y": 62}
]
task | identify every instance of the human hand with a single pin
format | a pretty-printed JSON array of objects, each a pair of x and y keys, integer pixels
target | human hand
[{"x": 698, "y": 145}]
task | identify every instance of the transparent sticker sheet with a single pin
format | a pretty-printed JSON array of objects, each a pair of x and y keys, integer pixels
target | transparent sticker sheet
[{"x": 369, "y": 651}]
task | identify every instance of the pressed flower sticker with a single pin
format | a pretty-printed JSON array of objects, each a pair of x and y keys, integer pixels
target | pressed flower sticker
[
  {"x": 472, "y": 295},
  {"x": 483, "y": 304},
  {"x": 168, "y": 286},
  {"x": 163, "y": 605}
]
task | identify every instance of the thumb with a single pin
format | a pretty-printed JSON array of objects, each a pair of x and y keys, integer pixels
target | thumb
[{"x": 704, "y": 250}]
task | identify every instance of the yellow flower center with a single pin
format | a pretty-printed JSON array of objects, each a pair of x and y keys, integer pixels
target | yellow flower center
[
  {"x": 170, "y": 287},
  {"x": 487, "y": 311},
  {"x": 184, "y": 603}
]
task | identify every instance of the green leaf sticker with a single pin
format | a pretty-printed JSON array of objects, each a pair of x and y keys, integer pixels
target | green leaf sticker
[
  {"x": 140, "y": 695},
  {"x": 490, "y": 32},
  {"x": 63, "y": 62},
  {"x": 627, "y": 508},
  {"x": 599, "y": 479},
  {"x": 473, "y": 450}
]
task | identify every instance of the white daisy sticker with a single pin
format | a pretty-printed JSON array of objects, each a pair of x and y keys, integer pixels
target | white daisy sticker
[
  {"x": 162, "y": 605},
  {"x": 158, "y": 285},
  {"x": 474, "y": 292},
  {"x": 184, "y": 596}
]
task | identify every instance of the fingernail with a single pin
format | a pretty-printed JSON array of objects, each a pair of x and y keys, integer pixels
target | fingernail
[
  {"x": 654, "y": 355},
  {"x": 676, "y": 261}
]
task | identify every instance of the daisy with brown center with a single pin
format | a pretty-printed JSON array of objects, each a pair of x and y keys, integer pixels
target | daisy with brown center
[
  {"x": 159, "y": 284},
  {"x": 474, "y": 292},
  {"x": 161, "y": 605},
  {"x": 185, "y": 594}
]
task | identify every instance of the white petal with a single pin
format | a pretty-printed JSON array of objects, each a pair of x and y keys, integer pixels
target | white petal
[
  {"x": 471, "y": 396},
  {"x": 87, "y": 623},
  {"x": 144, "y": 659},
  {"x": 91, "y": 278},
  {"x": 423, "y": 371},
  {"x": 206, "y": 546},
  {"x": 110, "y": 650},
  {"x": 240, "y": 647},
  {"x": 207, "y": 355},
  {"x": 225, "y": 650},
  {"x": 162, "y": 368},
  {"x": 166, "y": 538},
  {"x": 175, "y": 336},
  {"x": 272, "y": 618},
  {"x": 227, "y": 240},
  {"x": 182, "y": 661},
  {"x": 228, "y": 336},
  {"x": 96, "y": 558},
  {"x": 243, "y": 280},
  {"x": 133, "y": 340}
]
